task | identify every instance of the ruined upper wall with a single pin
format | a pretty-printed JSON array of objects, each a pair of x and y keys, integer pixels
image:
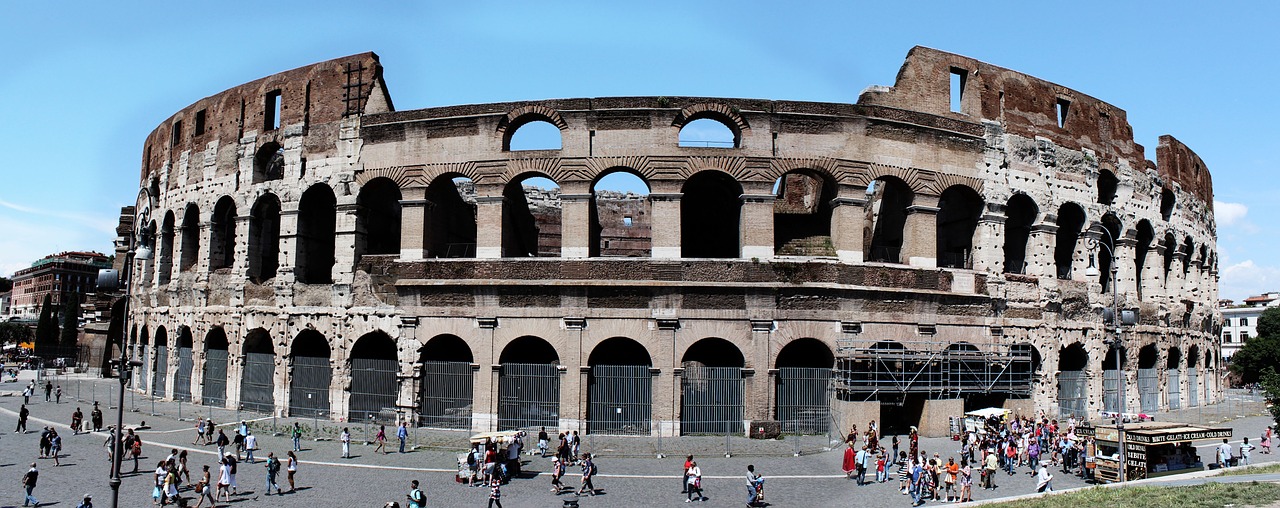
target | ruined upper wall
[
  {"x": 1028, "y": 106},
  {"x": 315, "y": 94}
]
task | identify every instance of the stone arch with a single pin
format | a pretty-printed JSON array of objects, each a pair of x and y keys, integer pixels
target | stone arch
[
  {"x": 712, "y": 398},
  {"x": 1144, "y": 235},
  {"x": 959, "y": 208},
  {"x": 160, "y": 364},
  {"x": 1149, "y": 378},
  {"x": 888, "y": 198},
  {"x": 1168, "y": 201},
  {"x": 446, "y": 383},
  {"x": 530, "y": 229},
  {"x": 190, "y": 237},
  {"x": 806, "y": 352},
  {"x": 1073, "y": 382},
  {"x": 378, "y": 218},
  {"x": 213, "y": 385},
  {"x": 619, "y": 388},
  {"x": 264, "y": 238},
  {"x": 258, "y": 377},
  {"x": 310, "y": 374},
  {"x": 528, "y": 384},
  {"x": 222, "y": 234},
  {"x": 721, "y": 113},
  {"x": 529, "y": 349},
  {"x": 524, "y": 115},
  {"x": 710, "y": 216},
  {"x": 619, "y": 351},
  {"x": 1107, "y": 184},
  {"x": 1070, "y": 224},
  {"x": 1021, "y": 213},
  {"x": 802, "y": 386},
  {"x": 620, "y": 222},
  {"x": 451, "y": 220},
  {"x": 186, "y": 364},
  {"x": 446, "y": 348},
  {"x": 168, "y": 228},
  {"x": 1188, "y": 255},
  {"x": 317, "y": 225},
  {"x": 1170, "y": 245},
  {"x": 268, "y": 163},
  {"x": 802, "y": 213},
  {"x": 374, "y": 365},
  {"x": 1106, "y": 256}
]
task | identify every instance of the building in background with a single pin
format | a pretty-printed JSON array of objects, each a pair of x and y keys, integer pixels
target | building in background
[
  {"x": 1240, "y": 322},
  {"x": 62, "y": 275}
]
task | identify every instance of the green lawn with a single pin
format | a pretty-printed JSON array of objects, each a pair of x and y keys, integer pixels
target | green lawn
[
  {"x": 1269, "y": 468},
  {"x": 1209, "y": 495}
]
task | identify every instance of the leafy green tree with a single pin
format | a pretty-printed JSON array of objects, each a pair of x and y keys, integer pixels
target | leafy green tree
[
  {"x": 1269, "y": 323},
  {"x": 46, "y": 330},
  {"x": 1259, "y": 353},
  {"x": 1271, "y": 391},
  {"x": 70, "y": 325},
  {"x": 14, "y": 333},
  {"x": 5, "y": 284}
]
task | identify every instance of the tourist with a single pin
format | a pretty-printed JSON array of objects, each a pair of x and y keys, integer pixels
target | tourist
[
  {"x": 48, "y": 391},
  {"x": 684, "y": 474},
  {"x": 416, "y": 498},
  {"x": 966, "y": 482},
  {"x": 95, "y": 417},
  {"x": 542, "y": 442},
  {"x": 495, "y": 493},
  {"x": 273, "y": 470},
  {"x": 204, "y": 489},
  {"x": 77, "y": 418},
  {"x": 1044, "y": 481},
  {"x": 1245, "y": 449},
  {"x": 755, "y": 486},
  {"x": 182, "y": 466},
  {"x": 345, "y": 439},
  {"x": 222, "y": 443},
  {"x": 297, "y": 437},
  {"x": 29, "y": 485},
  {"x": 158, "y": 492},
  {"x": 250, "y": 446},
  {"x": 238, "y": 441},
  {"x": 231, "y": 467},
  {"x": 26, "y": 395},
  {"x": 1224, "y": 454},
  {"x": 199, "y": 431},
  {"x": 989, "y": 470},
  {"x": 57, "y": 395},
  {"x": 1266, "y": 440},
  {"x": 23, "y": 413},
  {"x": 557, "y": 471},
  {"x": 694, "y": 480},
  {"x": 86, "y": 503},
  {"x": 55, "y": 446},
  {"x": 950, "y": 472},
  {"x": 588, "y": 473},
  {"x": 402, "y": 434},
  {"x": 224, "y": 480},
  {"x": 381, "y": 439}
]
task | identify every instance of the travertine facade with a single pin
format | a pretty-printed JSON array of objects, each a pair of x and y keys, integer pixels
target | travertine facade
[{"x": 304, "y": 206}]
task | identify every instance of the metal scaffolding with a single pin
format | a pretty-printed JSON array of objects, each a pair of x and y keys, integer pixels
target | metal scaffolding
[{"x": 938, "y": 369}]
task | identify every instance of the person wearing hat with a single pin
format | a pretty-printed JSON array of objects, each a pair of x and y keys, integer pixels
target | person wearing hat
[
  {"x": 1044, "y": 480},
  {"x": 557, "y": 471},
  {"x": 87, "y": 503}
]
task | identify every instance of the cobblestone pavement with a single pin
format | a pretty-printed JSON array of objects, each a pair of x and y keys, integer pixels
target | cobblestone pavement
[{"x": 630, "y": 472}]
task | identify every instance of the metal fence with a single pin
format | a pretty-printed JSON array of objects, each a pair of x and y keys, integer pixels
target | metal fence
[
  {"x": 142, "y": 373},
  {"x": 711, "y": 401},
  {"x": 804, "y": 400},
  {"x": 1111, "y": 391},
  {"x": 528, "y": 396},
  {"x": 182, "y": 378},
  {"x": 620, "y": 400},
  {"x": 1149, "y": 390},
  {"x": 258, "y": 382},
  {"x": 162, "y": 371},
  {"x": 1193, "y": 390},
  {"x": 1175, "y": 390},
  {"x": 309, "y": 386},
  {"x": 213, "y": 388},
  {"x": 445, "y": 395},
  {"x": 373, "y": 388},
  {"x": 1072, "y": 393}
]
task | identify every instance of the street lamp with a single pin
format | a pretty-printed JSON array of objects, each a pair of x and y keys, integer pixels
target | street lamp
[
  {"x": 1116, "y": 316},
  {"x": 110, "y": 280}
]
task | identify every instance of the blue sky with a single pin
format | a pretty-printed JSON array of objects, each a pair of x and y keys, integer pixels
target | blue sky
[{"x": 84, "y": 82}]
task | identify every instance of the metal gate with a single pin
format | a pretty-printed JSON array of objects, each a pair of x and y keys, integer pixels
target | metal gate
[
  {"x": 182, "y": 378},
  {"x": 213, "y": 388},
  {"x": 258, "y": 382},
  {"x": 373, "y": 388},
  {"x": 142, "y": 373},
  {"x": 162, "y": 371},
  {"x": 1149, "y": 390},
  {"x": 804, "y": 404},
  {"x": 1209, "y": 379},
  {"x": 1111, "y": 391},
  {"x": 620, "y": 400},
  {"x": 712, "y": 400},
  {"x": 528, "y": 396},
  {"x": 1175, "y": 390},
  {"x": 309, "y": 387},
  {"x": 445, "y": 395},
  {"x": 1072, "y": 393},
  {"x": 1193, "y": 388}
]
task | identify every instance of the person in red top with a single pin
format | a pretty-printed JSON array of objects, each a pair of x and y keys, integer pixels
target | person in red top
[
  {"x": 850, "y": 463},
  {"x": 684, "y": 476}
]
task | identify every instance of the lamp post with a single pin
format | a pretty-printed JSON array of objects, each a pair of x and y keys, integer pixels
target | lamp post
[
  {"x": 1116, "y": 341},
  {"x": 109, "y": 280}
]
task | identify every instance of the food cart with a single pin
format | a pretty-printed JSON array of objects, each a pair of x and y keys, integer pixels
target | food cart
[
  {"x": 1151, "y": 449},
  {"x": 975, "y": 421}
]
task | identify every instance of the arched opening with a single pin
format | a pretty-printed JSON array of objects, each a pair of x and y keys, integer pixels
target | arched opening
[
  {"x": 620, "y": 220},
  {"x": 144, "y": 355},
  {"x": 264, "y": 239},
  {"x": 1106, "y": 255},
  {"x": 445, "y": 389},
  {"x": 317, "y": 221},
  {"x": 258, "y": 381},
  {"x": 149, "y": 267},
  {"x": 708, "y": 132},
  {"x": 373, "y": 378},
  {"x": 451, "y": 218},
  {"x": 1113, "y": 379},
  {"x": 213, "y": 385},
  {"x": 802, "y": 214},
  {"x": 528, "y": 385},
  {"x": 1170, "y": 246},
  {"x": 1173, "y": 366},
  {"x": 1073, "y": 384},
  {"x": 1070, "y": 224},
  {"x": 802, "y": 387},
  {"x": 1107, "y": 184},
  {"x": 268, "y": 163},
  {"x": 1024, "y": 365},
  {"x": 1193, "y": 377},
  {"x": 712, "y": 388},
  {"x": 310, "y": 375},
  {"x": 222, "y": 231},
  {"x": 619, "y": 388},
  {"x": 167, "y": 229},
  {"x": 378, "y": 218},
  {"x": 531, "y": 217},
  {"x": 710, "y": 215},
  {"x": 1188, "y": 255},
  {"x": 182, "y": 377},
  {"x": 533, "y": 134},
  {"x": 1167, "y": 202},
  {"x": 1148, "y": 378},
  {"x": 1020, "y": 213},
  {"x": 1143, "y": 247},
  {"x": 958, "y": 210},
  {"x": 888, "y": 199},
  {"x": 190, "y": 237},
  {"x": 161, "y": 365}
]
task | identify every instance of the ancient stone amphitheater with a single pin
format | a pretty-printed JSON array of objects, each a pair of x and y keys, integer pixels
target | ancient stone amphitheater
[{"x": 946, "y": 243}]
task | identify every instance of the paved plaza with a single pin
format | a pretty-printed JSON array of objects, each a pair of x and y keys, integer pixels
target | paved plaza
[{"x": 630, "y": 472}]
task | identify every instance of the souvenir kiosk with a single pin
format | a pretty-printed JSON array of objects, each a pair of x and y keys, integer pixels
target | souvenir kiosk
[{"x": 1151, "y": 448}]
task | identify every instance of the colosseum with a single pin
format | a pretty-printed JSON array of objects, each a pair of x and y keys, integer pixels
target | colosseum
[{"x": 954, "y": 241}]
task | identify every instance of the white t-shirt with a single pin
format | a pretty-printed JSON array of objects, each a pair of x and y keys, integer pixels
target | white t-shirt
[
  {"x": 251, "y": 442},
  {"x": 1224, "y": 452},
  {"x": 224, "y": 474}
]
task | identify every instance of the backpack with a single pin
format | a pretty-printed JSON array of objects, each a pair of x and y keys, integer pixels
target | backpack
[
  {"x": 594, "y": 469},
  {"x": 137, "y": 447},
  {"x": 273, "y": 466},
  {"x": 416, "y": 496}
]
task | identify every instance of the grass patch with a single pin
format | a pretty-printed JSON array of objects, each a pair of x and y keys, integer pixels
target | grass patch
[
  {"x": 1236, "y": 471},
  {"x": 1209, "y": 495}
]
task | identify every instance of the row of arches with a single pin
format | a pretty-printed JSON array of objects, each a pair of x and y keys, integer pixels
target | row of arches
[{"x": 1073, "y": 363}]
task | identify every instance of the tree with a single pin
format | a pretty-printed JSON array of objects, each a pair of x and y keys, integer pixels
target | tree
[
  {"x": 46, "y": 330},
  {"x": 1269, "y": 323},
  {"x": 5, "y": 284},
  {"x": 14, "y": 332},
  {"x": 1271, "y": 391},
  {"x": 1262, "y": 352},
  {"x": 70, "y": 326}
]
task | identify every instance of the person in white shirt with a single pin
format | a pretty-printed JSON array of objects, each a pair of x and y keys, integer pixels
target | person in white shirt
[
  {"x": 250, "y": 444},
  {"x": 1224, "y": 453},
  {"x": 1245, "y": 448},
  {"x": 1044, "y": 481},
  {"x": 346, "y": 443}
]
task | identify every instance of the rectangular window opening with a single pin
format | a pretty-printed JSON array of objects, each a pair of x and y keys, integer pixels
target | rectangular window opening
[
  {"x": 177, "y": 133},
  {"x": 271, "y": 111},
  {"x": 626, "y": 221},
  {"x": 1063, "y": 106},
  {"x": 200, "y": 118},
  {"x": 958, "y": 79}
]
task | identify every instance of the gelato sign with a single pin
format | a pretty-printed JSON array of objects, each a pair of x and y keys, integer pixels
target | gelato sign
[{"x": 1176, "y": 437}]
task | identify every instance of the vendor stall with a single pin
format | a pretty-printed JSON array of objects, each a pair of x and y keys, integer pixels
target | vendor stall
[
  {"x": 975, "y": 421},
  {"x": 1151, "y": 449}
]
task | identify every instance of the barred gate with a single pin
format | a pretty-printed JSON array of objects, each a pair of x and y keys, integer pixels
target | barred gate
[
  {"x": 142, "y": 373},
  {"x": 162, "y": 371},
  {"x": 213, "y": 388},
  {"x": 804, "y": 402},
  {"x": 373, "y": 388},
  {"x": 1192, "y": 390},
  {"x": 1111, "y": 391},
  {"x": 620, "y": 400},
  {"x": 182, "y": 378},
  {"x": 712, "y": 400},
  {"x": 1175, "y": 390},
  {"x": 258, "y": 382},
  {"x": 1072, "y": 393},
  {"x": 444, "y": 400},
  {"x": 528, "y": 396},
  {"x": 1149, "y": 390},
  {"x": 1209, "y": 379},
  {"x": 309, "y": 389}
]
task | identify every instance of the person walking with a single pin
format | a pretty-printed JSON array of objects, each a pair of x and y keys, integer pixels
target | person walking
[
  {"x": 199, "y": 431},
  {"x": 204, "y": 488},
  {"x": 1224, "y": 454},
  {"x": 222, "y": 443},
  {"x": 238, "y": 441},
  {"x": 133, "y": 446},
  {"x": 86, "y": 503},
  {"x": 57, "y": 395},
  {"x": 588, "y": 473},
  {"x": 231, "y": 463},
  {"x": 693, "y": 480},
  {"x": 1044, "y": 480},
  {"x": 345, "y": 438},
  {"x": 95, "y": 417},
  {"x": 755, "y": 486},
  {"x": 224, "y": 480},
  {"x": 989, "y": 471},
  {"x": 557, "y": 472},
  {"x": 416, "y": 498},
  {"x": 1246, "y": 450},
  {"x": 1266, "y": 440},
  {"x": 402, "y": 434},
  {"x": 273, "y": 470},
  {"x": 684, "y": 474},
  {"x": 966, "y": 481},
  {"x": 26, "y": 395},
  {"x": 250, "y": 446},
  {"x": 542, "y": 442},
  {"x": 55, "y": 446},
  {"x": 29, "y": 485},
  {"x": 381, "y": 439},
  {"x": 48, "y": 391},
  {"x": 77, "y": 419},
  {"x": 209, "y": 427},
  {"x": 297, "y": 437},
  {"x": 291, "y": 468},
  {"x": 23, "y": 413},
  {"x": 495, "y": 493}
]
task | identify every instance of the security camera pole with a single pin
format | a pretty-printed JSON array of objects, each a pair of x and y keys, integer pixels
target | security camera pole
[
  {"x": 110, "y": 281},
  {"x": 1116, "y": 341}
]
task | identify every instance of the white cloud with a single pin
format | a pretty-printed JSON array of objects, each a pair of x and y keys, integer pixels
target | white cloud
[
  {"x": 1229, "y": 214},
  {"x": 1245, "y": 279}
]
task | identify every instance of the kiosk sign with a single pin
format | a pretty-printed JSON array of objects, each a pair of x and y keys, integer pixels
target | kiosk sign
[{"x": 1177, "y": 437}]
